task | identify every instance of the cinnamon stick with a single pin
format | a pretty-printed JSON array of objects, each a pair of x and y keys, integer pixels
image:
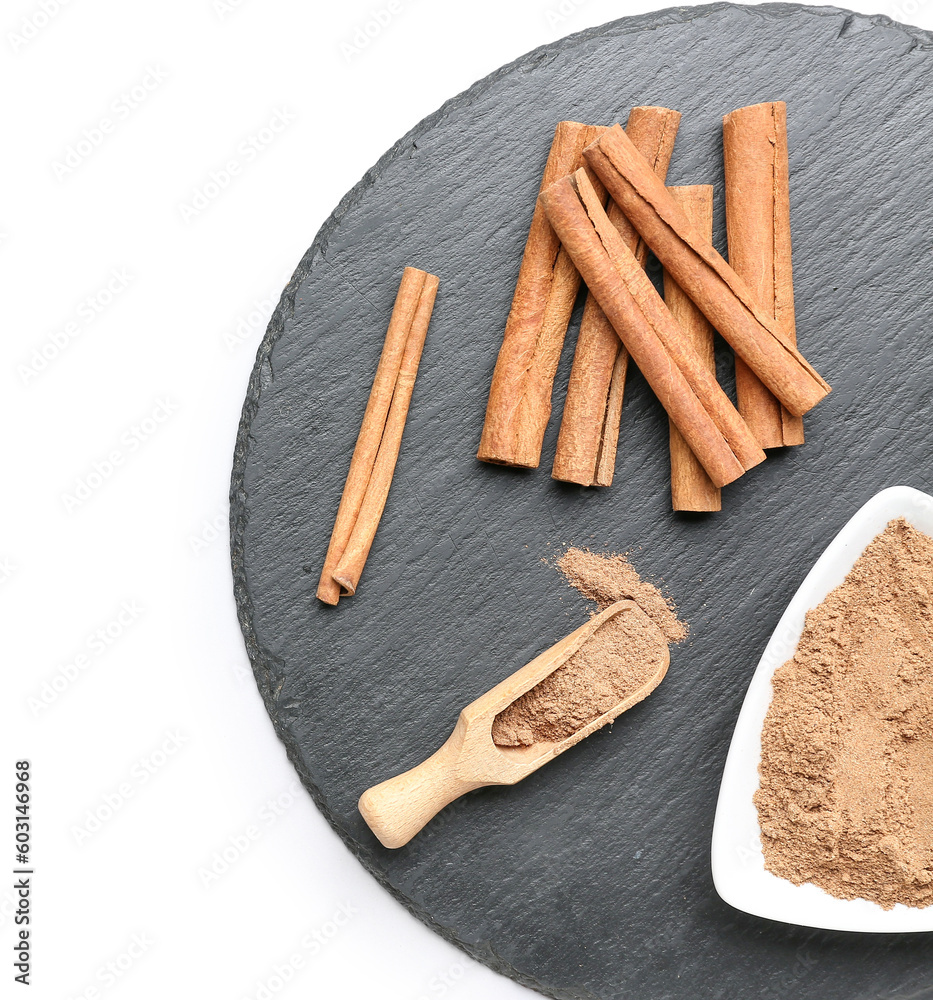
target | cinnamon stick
[
  {"x": 692, "y": 397},
  {"x": 723, "y": 297},
  {"x": 589, "y": 429},
  {"x": 758, "y": 227},
  {"x": 519, "y": 402},
  {"x": 691, "y": 487},
  {"x": 377, "y": 446}
]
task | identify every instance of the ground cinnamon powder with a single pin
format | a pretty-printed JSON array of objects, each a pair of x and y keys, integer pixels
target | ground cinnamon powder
[
  {"x": 606, "y": 579},
  {"x": 613, "y": 663},
  {"x": 846, "y": 792}
]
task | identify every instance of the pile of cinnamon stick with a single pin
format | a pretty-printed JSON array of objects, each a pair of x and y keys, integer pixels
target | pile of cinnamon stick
[{"x": 602, "y": 206}]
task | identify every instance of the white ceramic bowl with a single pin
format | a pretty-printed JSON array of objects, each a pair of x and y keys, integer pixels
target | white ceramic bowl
[{"x": 738, "y": 864}]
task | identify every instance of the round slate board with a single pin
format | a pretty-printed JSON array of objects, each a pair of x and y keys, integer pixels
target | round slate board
[{"x": 591, "y": 878}]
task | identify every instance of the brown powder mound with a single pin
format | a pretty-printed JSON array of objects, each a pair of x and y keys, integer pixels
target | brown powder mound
[
  {"x": 607, "y": 579},
  {"x": 620, "y": 658},
  {"x": 846, "y": 793}
]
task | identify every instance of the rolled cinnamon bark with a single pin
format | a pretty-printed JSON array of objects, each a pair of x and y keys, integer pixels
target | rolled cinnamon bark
[
  {"x": 378, "y": 442},
  {"x": 589, "y": 429},
  {"x": 692, "y": 397},
  {"x": 691, "y": 487},
  {"x": 723, "y": 297},
  {"x": 519, "y": 402},
  {"x": 348, "y": 570},
  {"x": 758, "y": 226}
]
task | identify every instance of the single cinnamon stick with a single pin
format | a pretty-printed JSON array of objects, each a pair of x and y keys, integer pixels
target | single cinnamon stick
[
  {"x": 758, "y": 225},
  {"x": 609, "y": 445},
  {"x": 692, "y": 397},
  {"x": 377, "y": 446},
  {"x": 691, "y": 487},
  {"x": 589, "y": 429},
  {"x": 350, "y": 567},
  {"x": 723, "y": 297},
  {"x": 519, "y": 402}
]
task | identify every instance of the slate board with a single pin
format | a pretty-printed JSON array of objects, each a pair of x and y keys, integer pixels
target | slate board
[{"x": 592, "y": 877}]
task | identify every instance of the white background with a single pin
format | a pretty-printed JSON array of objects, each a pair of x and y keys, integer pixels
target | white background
[{"x": 131, "y": 314}]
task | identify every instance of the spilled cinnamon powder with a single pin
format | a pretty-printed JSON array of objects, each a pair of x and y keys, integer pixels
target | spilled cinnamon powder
[
  {"x": 846, "y": 775},
  {"x": 607, "y": 579},
  {"x": 618, "y": 659}
]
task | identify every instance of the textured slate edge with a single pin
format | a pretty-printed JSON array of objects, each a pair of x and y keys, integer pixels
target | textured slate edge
[{"x": 267, "y": 668}]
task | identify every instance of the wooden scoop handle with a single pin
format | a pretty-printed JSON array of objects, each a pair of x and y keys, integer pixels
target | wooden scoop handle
[{"x": 397, "y": 809}]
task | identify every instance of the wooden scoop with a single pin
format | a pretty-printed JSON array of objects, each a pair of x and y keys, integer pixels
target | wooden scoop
[{"x": 397, "y": 809}]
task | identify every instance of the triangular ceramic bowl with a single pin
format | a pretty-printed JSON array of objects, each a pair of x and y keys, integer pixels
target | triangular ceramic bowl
[{"x": 738, "y": 865}]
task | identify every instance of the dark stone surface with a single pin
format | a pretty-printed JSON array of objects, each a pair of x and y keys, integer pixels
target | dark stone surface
[{"x": 591, "y": 878}]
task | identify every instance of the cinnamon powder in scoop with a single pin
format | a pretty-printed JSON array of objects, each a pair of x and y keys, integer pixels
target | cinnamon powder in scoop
[
  {"x": 620, "y": 657},
  {"x": 846, "y": 792}
]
